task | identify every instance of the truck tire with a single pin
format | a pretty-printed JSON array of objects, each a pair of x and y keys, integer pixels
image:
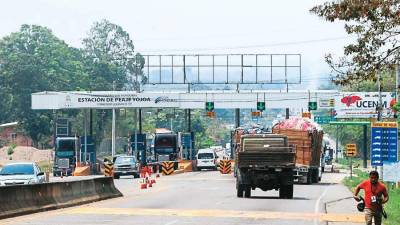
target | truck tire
[
  {"x": 239, "y": 190},
  {"x": 116, "y": 176},
  {"x": 247, "y": 192},
  {"x": 286, "y": 191},
  {"x": 315, "y": 175},
  {"x": 282, "y": 192},
  {"x": 309, "y": 177},
  {"x": 289, "y": 191}
]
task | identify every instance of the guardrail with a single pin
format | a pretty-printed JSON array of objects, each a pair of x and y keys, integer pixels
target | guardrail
[{"x": 24, "y": 199}]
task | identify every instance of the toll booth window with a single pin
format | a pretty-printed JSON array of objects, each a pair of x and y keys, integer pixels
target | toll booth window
[{"x": 205, "y": 156}]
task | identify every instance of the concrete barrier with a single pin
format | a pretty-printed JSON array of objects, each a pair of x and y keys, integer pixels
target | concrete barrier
[{"x": 25, "y": 199}]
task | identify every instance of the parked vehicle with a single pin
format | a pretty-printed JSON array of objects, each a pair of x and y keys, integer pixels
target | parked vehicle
[
  {"x": 307, "y": 137},
  {"x": 264, "y": 161},
  {"x": 125, "y": 165},
  {"x": 21, "y": 173},
  {"x": 206, "y": 159}
]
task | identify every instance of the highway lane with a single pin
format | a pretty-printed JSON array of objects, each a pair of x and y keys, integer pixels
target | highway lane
[{"x": 207, "y": 197}]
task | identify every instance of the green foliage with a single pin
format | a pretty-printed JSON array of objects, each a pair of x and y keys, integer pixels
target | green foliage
[
  {"x": 34, "y": 60},
  {"x": 375, "y": 24},
  {"x": 109, "y": 56},
  {"x": 10, "y": 149}
]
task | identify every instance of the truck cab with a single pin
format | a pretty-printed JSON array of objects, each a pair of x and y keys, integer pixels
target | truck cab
[
  {"x": 65, "y": 155},
  {"x": 165, "y": 147}
]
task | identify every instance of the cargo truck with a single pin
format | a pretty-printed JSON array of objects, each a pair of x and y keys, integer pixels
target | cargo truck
[
  {"x": 307, "y": 138},
  {"x": 65, "y": 155},
  {"x": 264, "y": 161}
]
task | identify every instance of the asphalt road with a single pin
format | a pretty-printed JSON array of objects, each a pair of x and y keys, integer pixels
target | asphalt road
[{"x": 208, "y": 197}]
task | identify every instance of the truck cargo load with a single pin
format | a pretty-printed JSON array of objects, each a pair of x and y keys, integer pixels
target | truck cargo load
[{"x": 307, "y": 137}]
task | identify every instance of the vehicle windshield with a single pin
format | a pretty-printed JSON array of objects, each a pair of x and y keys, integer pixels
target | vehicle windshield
[
  {"x": 66, "y": 145},
  {"x": 17, "y": 169},
  {"x": 205, "y": 156},
  {"x": 125, "y": 160},
  {"x": 164, "y": 150}
]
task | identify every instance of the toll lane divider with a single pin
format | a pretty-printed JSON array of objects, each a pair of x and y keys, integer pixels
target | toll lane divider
[
  {"x": 168, "y": 167},
  {"x": 24, "y": 199},
  {"x": 185, "y": 165},
  {"x": 225, "y": 166}
]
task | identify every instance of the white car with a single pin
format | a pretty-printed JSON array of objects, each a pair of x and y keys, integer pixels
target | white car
[
  {"x": 21, "y": 173},
  {"x": 206, "y": 159}
]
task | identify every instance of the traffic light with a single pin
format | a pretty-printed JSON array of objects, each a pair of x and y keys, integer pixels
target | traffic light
[
  {"x": 209, "y": 106},
  {"x": 312, "y": 106},
  {"x": 260, "y": 106}
]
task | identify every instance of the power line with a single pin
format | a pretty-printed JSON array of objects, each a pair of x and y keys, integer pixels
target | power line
[{"x": 248, "y": 46}]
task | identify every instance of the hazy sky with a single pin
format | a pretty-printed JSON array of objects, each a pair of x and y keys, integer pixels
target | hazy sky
[{"x": 188, "y": 26}]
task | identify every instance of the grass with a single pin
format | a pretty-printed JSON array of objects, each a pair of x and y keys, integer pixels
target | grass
[
  {"x": 392, "y": 207},
  {"x": 45, "y": 166}
]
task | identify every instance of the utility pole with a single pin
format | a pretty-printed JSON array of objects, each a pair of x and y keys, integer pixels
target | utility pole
[
  {"x": 287, "y": 109},
  {"x": 379, "y": 110},
  {"x": 237, "y": 111},
  {"x": 113, "y": 128}
]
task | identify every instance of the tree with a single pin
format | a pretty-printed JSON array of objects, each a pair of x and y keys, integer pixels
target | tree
[
  {"x": 376, "y": 24},
  {"x": 34, "y": 60},
  {"x": 110, "y": 55}
]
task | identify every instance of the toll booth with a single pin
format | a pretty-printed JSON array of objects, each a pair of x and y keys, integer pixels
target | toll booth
[
  {"x": 91, "y": 157},
  {"x": 188, "y": 145},
  {"x": 138, "y": 147}
]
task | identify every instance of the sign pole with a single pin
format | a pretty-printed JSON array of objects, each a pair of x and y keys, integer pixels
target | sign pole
[
  {"x": 113, "y": 129},
  {"x": 351, "y": 167}
]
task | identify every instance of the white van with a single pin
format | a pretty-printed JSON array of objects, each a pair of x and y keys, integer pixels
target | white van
[{"x": 206, "y": 159}]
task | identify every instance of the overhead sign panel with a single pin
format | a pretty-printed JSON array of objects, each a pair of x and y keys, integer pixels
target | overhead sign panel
[
  {"x": 121, "y": 99},
  {"x": 384, "y": 139},
  {"x": 347, "y": 105},
  {"x": 362, "y": 104}
]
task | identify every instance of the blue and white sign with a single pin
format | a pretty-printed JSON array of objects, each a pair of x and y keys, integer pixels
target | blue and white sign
[{"x": 384, "y": 141}]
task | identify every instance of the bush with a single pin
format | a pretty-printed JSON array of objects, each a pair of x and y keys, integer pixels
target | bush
[{"x": 10, "y": 149}]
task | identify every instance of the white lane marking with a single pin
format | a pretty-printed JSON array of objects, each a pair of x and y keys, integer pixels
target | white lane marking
[
  {"x": 316, "y": 209},
  {"x": 172, "y": 222}
]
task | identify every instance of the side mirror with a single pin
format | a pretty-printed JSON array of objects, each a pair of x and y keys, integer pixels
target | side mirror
[{"x": 40, "y": 174}]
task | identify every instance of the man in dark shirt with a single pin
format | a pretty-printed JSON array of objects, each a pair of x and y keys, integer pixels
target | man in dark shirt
[{"x": 373, "y": 192}]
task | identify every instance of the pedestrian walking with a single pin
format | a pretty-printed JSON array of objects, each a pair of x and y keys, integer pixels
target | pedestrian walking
[{"x": 375, "y": 195}]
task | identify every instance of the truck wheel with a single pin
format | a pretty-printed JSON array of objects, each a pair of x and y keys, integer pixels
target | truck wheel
[
  {"x": 239, "y": 190},
  {"x": 289, "y": 191},
  {"x": 315, "y": 175},
  {"x": 116, "y": 176},
  {"x": 282, "y": 192},
  {"x": 247, "y": 192},
  {"x": 309, "y": 177}
]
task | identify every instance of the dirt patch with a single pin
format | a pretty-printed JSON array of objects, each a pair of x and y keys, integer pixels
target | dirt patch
[{"x": 25, "y": 154}]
